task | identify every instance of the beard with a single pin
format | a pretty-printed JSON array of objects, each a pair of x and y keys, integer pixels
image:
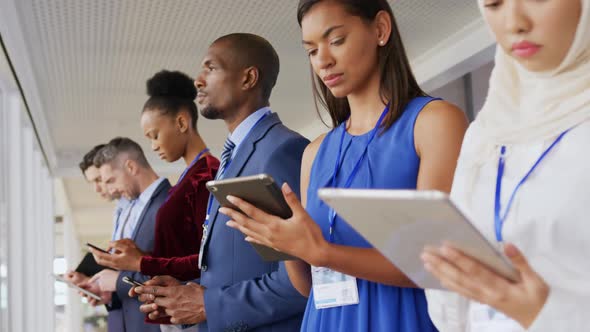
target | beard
[
  {"x": 114, "y": 197},
  {"x": 211, "y": 113}
]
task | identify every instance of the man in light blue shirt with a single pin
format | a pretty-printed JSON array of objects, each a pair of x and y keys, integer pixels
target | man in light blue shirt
[
  {"x": 125, "y": 172},
  {"x": 245, "y": 127},
  {"x": 131, "y": 208}
]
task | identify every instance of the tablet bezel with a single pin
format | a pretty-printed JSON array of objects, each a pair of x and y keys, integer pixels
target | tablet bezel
[
  {"x": 260, "y": 190},
  {"x": 348, "y": 202}
]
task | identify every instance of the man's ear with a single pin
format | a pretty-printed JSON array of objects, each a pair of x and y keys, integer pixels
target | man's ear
[
  {"x": 131, "y": 166},
  {"x": 250, "y": 78}
]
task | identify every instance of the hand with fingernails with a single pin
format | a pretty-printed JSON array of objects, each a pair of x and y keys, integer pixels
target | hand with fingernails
[
  {"x": 94, "y": 287},
  {"x": 298, "y": 236},
  {"x": 126, "y": 256},
  {"x": 106, "y": 280},
  {"x": 76, "y": 278},
  {"x": 164, "y": 296},
  {"x": 458, "y": 272}
]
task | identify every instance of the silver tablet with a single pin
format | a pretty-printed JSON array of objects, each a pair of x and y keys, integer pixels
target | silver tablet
[{"x": 400, "y": 223}]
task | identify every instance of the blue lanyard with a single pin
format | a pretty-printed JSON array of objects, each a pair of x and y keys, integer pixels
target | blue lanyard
[
  {"x": 356, "y": 167},
  {"x": 498, "y": 217},
  {"x": 205, "y": 150},
  {"x": 219, "y": 175}
]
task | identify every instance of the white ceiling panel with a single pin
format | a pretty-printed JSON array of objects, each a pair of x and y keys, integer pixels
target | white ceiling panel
[
  {"x": 91, "y": 58},
  {"x": 425, "y": 23},
  {"x": 88, "y": 61}
]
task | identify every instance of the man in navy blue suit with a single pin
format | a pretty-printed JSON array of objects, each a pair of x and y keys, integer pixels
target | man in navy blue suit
[
  {"x": 238, "y": 291},
  {"x": 125, "y": 171}
]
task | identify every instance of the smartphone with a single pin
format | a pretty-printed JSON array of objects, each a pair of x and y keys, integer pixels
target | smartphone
[
  {"x": 131, "y": 281},
  {"x": 261, "y": 191},
  {"x": 97, "y": 248},
  {"x": 69, "y": 283}
]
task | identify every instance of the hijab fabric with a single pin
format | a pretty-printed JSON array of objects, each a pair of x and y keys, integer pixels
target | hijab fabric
[{"x": 524, "y": 106}]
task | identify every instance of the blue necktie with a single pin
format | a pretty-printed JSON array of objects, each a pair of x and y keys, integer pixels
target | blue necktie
[{"x": 228, "y": 148}]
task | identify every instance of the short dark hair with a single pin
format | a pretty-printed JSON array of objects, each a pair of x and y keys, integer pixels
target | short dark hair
[
  {"x": 88, "y": 159},
  {"x": 253, "y": 50},
  {"x": 171, "y": 92},
  {"x": 398, "y": 86},
  {"x": 118, "y": 146}
]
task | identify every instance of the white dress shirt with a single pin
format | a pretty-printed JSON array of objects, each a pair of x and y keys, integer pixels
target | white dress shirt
[{"x": 549, "y": 222}]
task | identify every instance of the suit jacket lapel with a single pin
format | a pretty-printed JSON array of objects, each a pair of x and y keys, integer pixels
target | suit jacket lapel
[
  {"x": 161, "y": 186},
  {"x": 245, "y": 151}
]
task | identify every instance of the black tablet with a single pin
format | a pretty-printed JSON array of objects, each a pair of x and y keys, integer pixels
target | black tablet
[{"x": 261, "y": 191}]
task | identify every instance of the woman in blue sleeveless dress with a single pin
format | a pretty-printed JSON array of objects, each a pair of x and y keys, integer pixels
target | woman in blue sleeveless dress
[{"x": 387, "y": 135}]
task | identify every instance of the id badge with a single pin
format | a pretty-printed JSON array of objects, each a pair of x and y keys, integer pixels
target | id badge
[{"x": 333, "y": 289}]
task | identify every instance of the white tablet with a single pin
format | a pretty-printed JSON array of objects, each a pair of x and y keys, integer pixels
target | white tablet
[
  {"x": 400, "y": 223},
  {"x": 71, "y": 284}
]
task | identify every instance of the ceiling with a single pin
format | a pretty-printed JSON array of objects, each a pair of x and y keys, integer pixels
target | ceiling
[{"x": 83, "y": 66}]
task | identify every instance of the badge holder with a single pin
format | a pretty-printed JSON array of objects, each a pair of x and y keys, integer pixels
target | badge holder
[{"x": 332, "y": 288}]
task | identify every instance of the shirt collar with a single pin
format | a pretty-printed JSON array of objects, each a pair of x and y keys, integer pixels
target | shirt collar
[
  {"x": 145, "y": 196},
  {"x": 121, "y": 203},
  {"x": 244, "y": 128}
]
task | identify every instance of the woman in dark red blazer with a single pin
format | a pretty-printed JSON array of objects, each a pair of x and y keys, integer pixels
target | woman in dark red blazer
[{"x": 169, "y": 121}]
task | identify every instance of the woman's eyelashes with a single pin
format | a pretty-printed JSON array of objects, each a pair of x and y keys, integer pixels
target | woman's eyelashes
[
  {"x": 492, "y": 4},
  {"x": 337, "y": 41},
  {"x": 153, "y": 136},
  {"x": 334, "y": 42}
]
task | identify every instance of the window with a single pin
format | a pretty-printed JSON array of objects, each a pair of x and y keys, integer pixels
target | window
[{"x": 3, "y": 220}]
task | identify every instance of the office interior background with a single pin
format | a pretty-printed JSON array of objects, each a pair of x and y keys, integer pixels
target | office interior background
[{"x": 72, "y": 75}]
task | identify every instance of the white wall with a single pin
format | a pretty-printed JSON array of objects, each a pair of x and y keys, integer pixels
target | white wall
[
  {"x": 453, "y": 92},
  {"x": 3, "y": 222},
  {"x": 480, "y": 84},
  {"x": 73, "y": 313},
  {"x": 468, "y": 92},
  {"x": 26, "y": 219}
]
